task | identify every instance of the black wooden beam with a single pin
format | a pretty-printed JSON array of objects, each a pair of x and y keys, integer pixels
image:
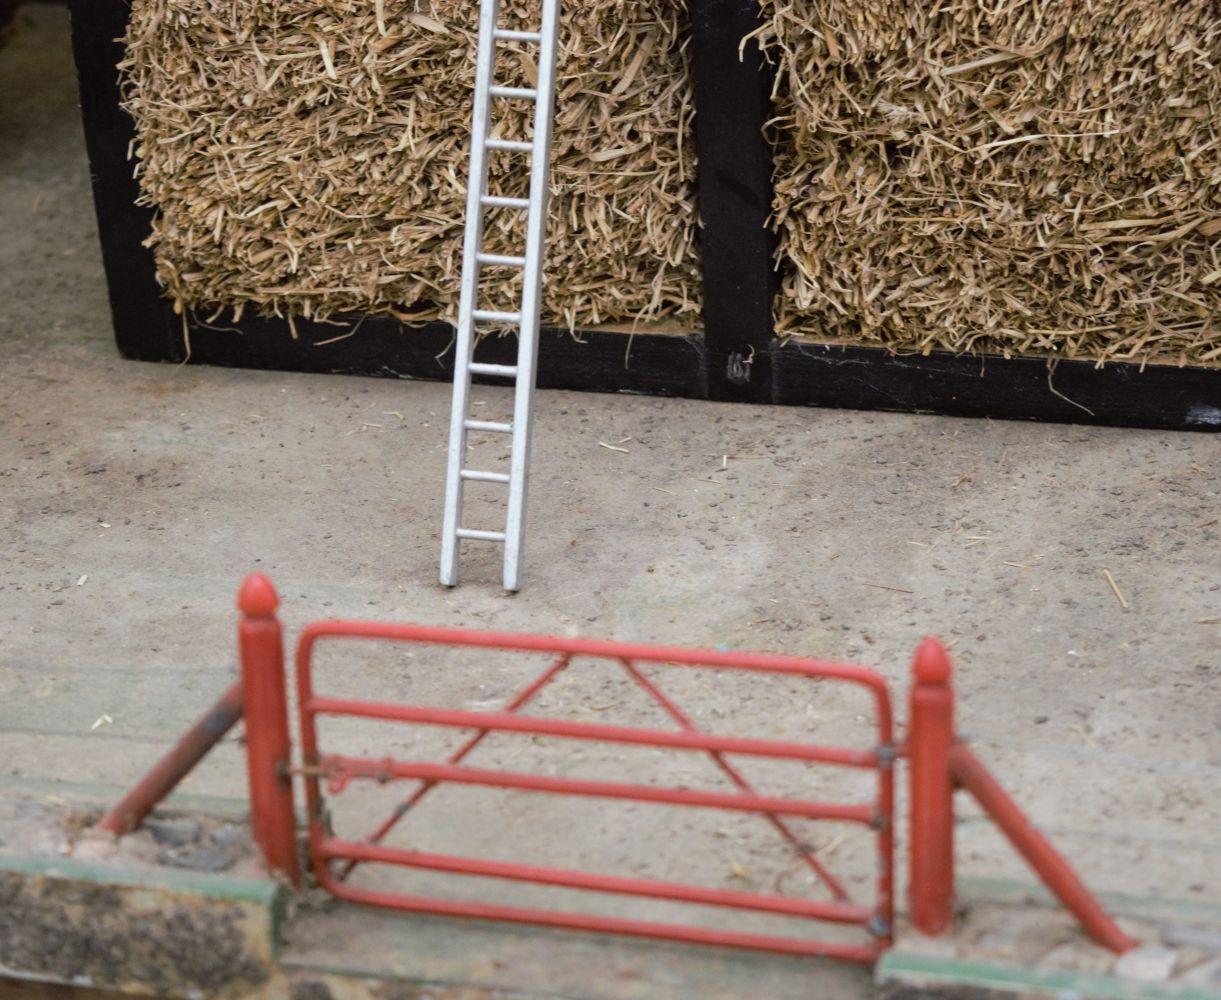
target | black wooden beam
[
  {"x": 600, "y": 361},
  {"x": 1074, "y": 392},
  {"x": 732, "y": 103},
  {"x": 145, "y": 326}
]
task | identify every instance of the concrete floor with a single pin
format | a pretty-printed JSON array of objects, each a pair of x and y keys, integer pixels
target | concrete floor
[{"x": 135, "y": 497}]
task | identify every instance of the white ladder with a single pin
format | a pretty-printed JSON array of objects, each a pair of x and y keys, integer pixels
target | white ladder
[{"x": 525, "y": 319}]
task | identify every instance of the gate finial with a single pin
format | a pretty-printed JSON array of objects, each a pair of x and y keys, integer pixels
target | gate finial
[{"x": 258, "y": 597}]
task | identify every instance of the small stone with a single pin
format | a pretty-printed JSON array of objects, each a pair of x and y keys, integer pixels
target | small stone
[
  {"x": 49, "y": 842},
  {"x": 1149, "y": 963},
  {"x": 1187, "y": 936},
  {"x": 139, "y": 846},
  {"x": 95, "y": 847},
  {"x": 200, "y": 859},
  {"x": 176, "y": 832},
  {"x": 310, "y": 989},
  {"x": 1078, "y": 956},
  {"x": 231, "y": 835}
]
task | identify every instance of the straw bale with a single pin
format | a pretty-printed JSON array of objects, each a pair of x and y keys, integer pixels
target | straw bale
[
  {"x": 308, "y": 157},
  {"x": 1021, "y": 176}
]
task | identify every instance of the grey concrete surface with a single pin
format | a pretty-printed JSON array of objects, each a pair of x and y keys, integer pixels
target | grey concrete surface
[{"x": 134, "y": 497}]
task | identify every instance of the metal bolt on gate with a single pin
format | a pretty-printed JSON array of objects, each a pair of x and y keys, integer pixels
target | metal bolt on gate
[{"x": 938, "y": 765}]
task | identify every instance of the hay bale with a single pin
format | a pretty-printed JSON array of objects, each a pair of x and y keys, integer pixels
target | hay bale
[
  {"x": 310, "y": 158},
  {"x": 1031, "y": 177}
]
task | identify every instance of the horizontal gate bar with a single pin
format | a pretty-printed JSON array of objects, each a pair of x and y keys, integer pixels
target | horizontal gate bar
[
  {"x": 507, "y": 722},
  {"x": 670, "y": 655},
  {"x": 841, "y": 913},
  {"x": 338, "y": 766},
  {"x": 865, "y": 953}
]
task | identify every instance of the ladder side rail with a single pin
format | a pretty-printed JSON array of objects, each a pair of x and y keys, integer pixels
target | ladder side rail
[
  {"x": 485, "y": 61},
  {"x": 536, "y": 238}
]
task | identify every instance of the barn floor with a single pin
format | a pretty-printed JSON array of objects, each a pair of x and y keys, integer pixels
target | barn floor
[{"x": 136, "y": 497}]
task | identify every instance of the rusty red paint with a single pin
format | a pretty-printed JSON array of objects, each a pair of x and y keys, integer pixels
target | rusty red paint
[
  {"x": 518, "y": 701},
  {"x": 937, "y": 763},
  {"x": 930, "y": 737},
  {"x": 164, "y": 777},
  {"x": 1038, "y": 851},
  {"x": 339, "y": 770},
  {"x": 268, "y": 743},
  {"x": 864, "y": 953},
  {"x": 331, "y": 857},
  {"x": 511, "y": 722},
  {"x": 834, "y": 912},
  {"x": 825, "y": 754}
]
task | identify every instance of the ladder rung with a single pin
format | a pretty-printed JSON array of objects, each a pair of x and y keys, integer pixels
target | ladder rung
[
  {"x": 488, "y": 425},
  {"x": 506, "y": 371},
  {"x": 495, "y": 316},
  {"x": 500, "y": 260},
  {"x": 484, "y": 477},
  {"x": 513, "y": 145},
  {"x": 528, "y": 93},
  {"x": 481, "y": 536},
  {"x": 496, "y": 201},
  {"x": 518, "y": 36}
]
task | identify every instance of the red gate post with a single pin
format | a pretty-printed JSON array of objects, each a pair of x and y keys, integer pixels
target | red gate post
[
  {"x": 268, "y": 750},
  {"x": 930, "y": 739}
]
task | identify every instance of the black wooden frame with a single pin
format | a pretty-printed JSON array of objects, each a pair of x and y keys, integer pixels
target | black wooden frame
[{"x": 737, "y": 358}]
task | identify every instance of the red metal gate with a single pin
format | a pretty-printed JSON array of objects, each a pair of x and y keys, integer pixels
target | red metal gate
[
  {"x": 938, "y": 761},
  {"x": 332, "y": 858}
]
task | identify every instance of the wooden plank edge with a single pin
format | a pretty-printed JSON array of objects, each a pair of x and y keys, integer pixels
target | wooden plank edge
[{"x": 1163, "y": 397}]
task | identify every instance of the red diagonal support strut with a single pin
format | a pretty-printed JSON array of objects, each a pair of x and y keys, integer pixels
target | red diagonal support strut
[
  {"x": 1056, "y": 873},
  {"x": 194, "y": 745},
  {"x": 459, "y": 755},
  {"x": 780, "y": 826}
]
